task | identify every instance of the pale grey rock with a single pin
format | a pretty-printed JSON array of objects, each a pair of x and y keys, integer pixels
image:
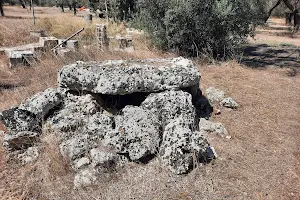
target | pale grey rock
[
  {"x": 214, "y": 95},
  {"x": 100, "y": 124},
  {"x": 80, "y": 126},
  {"x": 85, "y": 104},
  {"x": 181, "y": 147},
  {"x": 229, "y": 103},
  {"x": 63, "y": 92},
  {"x": 29, "y": 156},
  {"x": 125, "y": 77},
  {"x": 103, "y": 161},
  {"x": 20, "y": 140},
  {"x": 206, "y": 126},
  {"x": 41, "y": 103},
  {"x": 85, "y": 177},
  {"x": 80, "y": 163},
  {"x": 77, "y": 147},
  {"x": 74, "y": 115},
  {"x": 170, "y": 105},
  {"x": 17, "y": 120},
  {"x": 136, "y": 134}
]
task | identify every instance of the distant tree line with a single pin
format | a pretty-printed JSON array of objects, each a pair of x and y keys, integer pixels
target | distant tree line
[{"x": 187, "y": 27}]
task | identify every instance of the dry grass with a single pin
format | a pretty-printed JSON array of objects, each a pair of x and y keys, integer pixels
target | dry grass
[
  {"x": 24, "y": 82},
  {"x": 260, "y": 158},
  {"x": 261, "y": 161}
]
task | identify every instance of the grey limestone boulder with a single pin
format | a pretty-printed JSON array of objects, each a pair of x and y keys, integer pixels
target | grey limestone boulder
[
  {"x": 103, "y": 161},
  {"x": 78, "y": 146},
  {"x": 229, "y": 103},
  {"x": 136, "y": 134},
  {"x": 41, "y": 103},
  {"x": 80, "y": 163},
  {"x": 126, "y": 77},
  {"x": 74, "y": 114},
  {"x": 214, "y": 95},
  {"x": 100, "y": 124},
  {"x": 207, "y": 126},
  {"x": 85, "y": 177},
  {"x": 17, "y": 120},
  {"x": 169, "y": 105},
  {"x": 181, "y": 147}
]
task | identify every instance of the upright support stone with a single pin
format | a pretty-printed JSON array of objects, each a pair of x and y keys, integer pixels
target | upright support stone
[
  {"x": 101, "y": 36},
  {"x": 17, "y": 58},
  {"x": 124, "y": 43},
  {"x": 88, "y": 18},
  {"x": 48, "y": 42},
  {"x": 72, "y": 45},
  {"x": 37, "y": 33}
]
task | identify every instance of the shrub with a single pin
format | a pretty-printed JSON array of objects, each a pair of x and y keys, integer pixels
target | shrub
[{"x": 194, "y": 27}]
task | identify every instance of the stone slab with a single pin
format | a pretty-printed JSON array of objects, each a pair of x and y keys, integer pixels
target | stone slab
[{"x": 119, "y": 77}]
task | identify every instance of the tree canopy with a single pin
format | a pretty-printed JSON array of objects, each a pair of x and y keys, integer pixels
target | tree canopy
[{"x": 194, "y": 27}]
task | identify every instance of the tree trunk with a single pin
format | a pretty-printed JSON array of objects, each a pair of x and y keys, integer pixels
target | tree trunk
[
  {"x": 62, "y": 7},
  {"x": 271, "y": 10},
  {"x": 289, "y": 5},
  {"x": 288, "y": 18},
  {"x": 1, "y": 8},
  {"x": 23, "y": 4},
  {"x": 296, "y": 21},
  {"x": 75, "y": 7}
]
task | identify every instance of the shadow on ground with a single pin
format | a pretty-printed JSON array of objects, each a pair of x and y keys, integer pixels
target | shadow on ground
[
  {"x": 262, "y": 55},
  {"x": 8, "y": 86}
]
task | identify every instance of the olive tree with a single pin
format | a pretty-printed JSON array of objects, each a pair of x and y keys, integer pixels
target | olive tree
[{"x": 194, "y": 27}]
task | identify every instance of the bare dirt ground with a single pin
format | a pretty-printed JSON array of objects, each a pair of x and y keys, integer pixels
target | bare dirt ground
[
  {"x": 261, "y": 161},
  {"x": 273, "y": 45}
]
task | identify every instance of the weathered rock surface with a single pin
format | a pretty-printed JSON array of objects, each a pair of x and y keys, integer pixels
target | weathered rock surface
[
  {"x": 80, "y": 163},
  {"x": 158, "y": 115},
  {"x": 103, "y": 161},
  {"x": 206, "y": 126},
  {"x": 78, "y": 146},
  {"x": 100, "y": 124},
  {"x": 136, "y": 134},
  {"x": 125, "y": 77},
  {"x": 169, "y": 105},
  {"x": 214, "y": 95},
  {"x": 41, "y": 103},
  {"x": 17, "y": 120},
  {"x": 75, "y": 113},
  {"x": 229, "y": 103},
  {"x": 85, "y": 177},
  {"x": 180, "y": 146},
  {"x": 20, "y": 140}
]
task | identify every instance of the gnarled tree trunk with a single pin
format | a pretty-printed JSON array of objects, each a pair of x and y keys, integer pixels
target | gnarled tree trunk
[
  {"x": 271, "y": 10},
  {"x": 1, "y": 8},
  {"x": 293, "y": 5}
]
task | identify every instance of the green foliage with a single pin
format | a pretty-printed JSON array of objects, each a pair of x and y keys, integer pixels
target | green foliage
[
  {"x": 281, "y": 10},
  {"x": 193, "y": 27},
  {"x": 117, "y": 9}
]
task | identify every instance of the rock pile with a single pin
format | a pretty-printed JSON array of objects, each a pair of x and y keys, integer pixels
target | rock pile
[
  {"x": 215, "y": 95},
  {"x": 108, "y": 113}
]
